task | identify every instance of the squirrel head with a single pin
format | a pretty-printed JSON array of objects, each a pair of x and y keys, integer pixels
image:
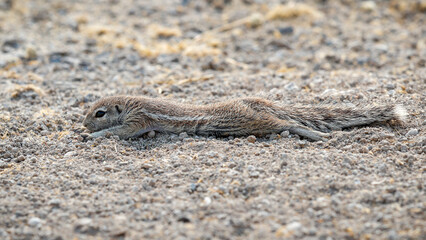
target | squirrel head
[{"x": 105, "y": 113}]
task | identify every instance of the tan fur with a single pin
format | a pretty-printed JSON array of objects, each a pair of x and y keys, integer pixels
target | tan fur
[{"x": 128, "y": 117}]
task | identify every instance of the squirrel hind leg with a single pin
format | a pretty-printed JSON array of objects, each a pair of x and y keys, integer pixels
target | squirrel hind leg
[{"x": 309, "y": 133}]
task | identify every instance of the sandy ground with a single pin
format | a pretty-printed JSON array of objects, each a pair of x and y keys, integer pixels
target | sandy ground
[{"x": 58, "y": 57}]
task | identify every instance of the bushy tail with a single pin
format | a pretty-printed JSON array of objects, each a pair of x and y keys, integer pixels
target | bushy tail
[{"x": 329, "y": 118}]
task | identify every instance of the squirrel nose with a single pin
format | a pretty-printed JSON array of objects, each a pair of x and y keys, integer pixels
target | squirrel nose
[{"x": 85, "y": 122}]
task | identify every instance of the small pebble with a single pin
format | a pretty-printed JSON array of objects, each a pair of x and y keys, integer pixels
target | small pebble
[
  {"x": 146, "y": 166},
  {"x": 390, "y": 86},
  {"x": 285, "y": 134},
  {"x": 21, "y": 158},
  {"x": 34, "y": 221},
  {"x": 31, "y": 53},
  {"x": 363, "y": 149},
  {"x": 151, "y": 134},
  {"x": 294, "y": 226},
  {"x": 54, "y": 202},
  {"x": 412, "y": 132},
  {"x": 183, "y": 135},
  {"x": 251, "y": 139},
  {"x": 108, "y": 168},
  {"x": 292, "y": 87},
  {"x": 302, "y": 143},
  {"x": 232, "y": 165},
  {"x": 192, "y": 187},
  {"x": 254, "y": 174},
  {"x": 207, "y": 201},
  {"x": 84, "y": 221},
  {"x": 255, "y": 20},
  {"x": 286, "y": 30},
  {"x": 382, "y": 168},
  {"x": 70, "y": 154},
  {"x": 368, "y": 6}
]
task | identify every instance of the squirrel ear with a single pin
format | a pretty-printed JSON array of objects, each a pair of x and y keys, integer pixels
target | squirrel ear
[{"x": 118, "y": 109}]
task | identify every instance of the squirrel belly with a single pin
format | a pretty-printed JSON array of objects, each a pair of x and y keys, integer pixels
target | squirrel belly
[{"x": 132, "y": 116}]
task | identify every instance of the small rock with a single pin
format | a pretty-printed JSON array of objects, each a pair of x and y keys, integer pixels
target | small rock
[
  {"x": 292, "y": 87},
  {"x": 192, "y": 187},
  {"x": 207, "y": 201},
  {"x": 57, "y": 57},
  {"x": 108, "y": 168},
  {"x": 12, "y": 43},
  {"x": 368, "y": 6},
  {"x": 391, "y": 189},
  {"x": 55, "y": 202},
  {"x": 286, "y": 30},
  {"x": 34, "y": 222},
  {"x": 30, "y": 53},
  {"x": 382, "y": 168},
  {"x": 212, "y": 154},
  {"x": 21, "y": 158},
  {"x": 294, "y": 226},
  {"x": 254, "y": 174},
  {"x": 412, "y": 132},
  {"x": 251, "y": 139},
  {"x": 290, "y": 229},
  {"x": 232, "y": 165},
  {"x": 175, "y": 88},
  {"x": 285, "y": 134},
  {"x": 363, "y": 149},
  {"x": 70, "y": 154},
  {"x": 151, "y": 134},
  {"x": 255, "y": 20},
  {"x": 183, "y": 135},
  {"x": 302, "y": 143},
  {"x": 85, "y": 226},
  {"x": 146, "y": 166},
  {"x": 320, "y": 203},
  {"x": 84, "y": 221},
  {"x": 390, "y": 86}
]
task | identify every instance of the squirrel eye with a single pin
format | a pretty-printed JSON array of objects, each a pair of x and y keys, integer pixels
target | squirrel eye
[{"x": 100, "y": 114}]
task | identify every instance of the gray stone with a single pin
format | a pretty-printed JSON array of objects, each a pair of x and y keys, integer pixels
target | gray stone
[
  {"x": 34, "y": 222},
  {"x": 412, "y": 132}
]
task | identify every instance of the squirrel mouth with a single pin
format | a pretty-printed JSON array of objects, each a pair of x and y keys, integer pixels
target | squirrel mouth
[{"x": 89, "y": 126}]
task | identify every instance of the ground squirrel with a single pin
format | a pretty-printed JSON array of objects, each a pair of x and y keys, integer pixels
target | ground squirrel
[{"x": 128, "y": 117}]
